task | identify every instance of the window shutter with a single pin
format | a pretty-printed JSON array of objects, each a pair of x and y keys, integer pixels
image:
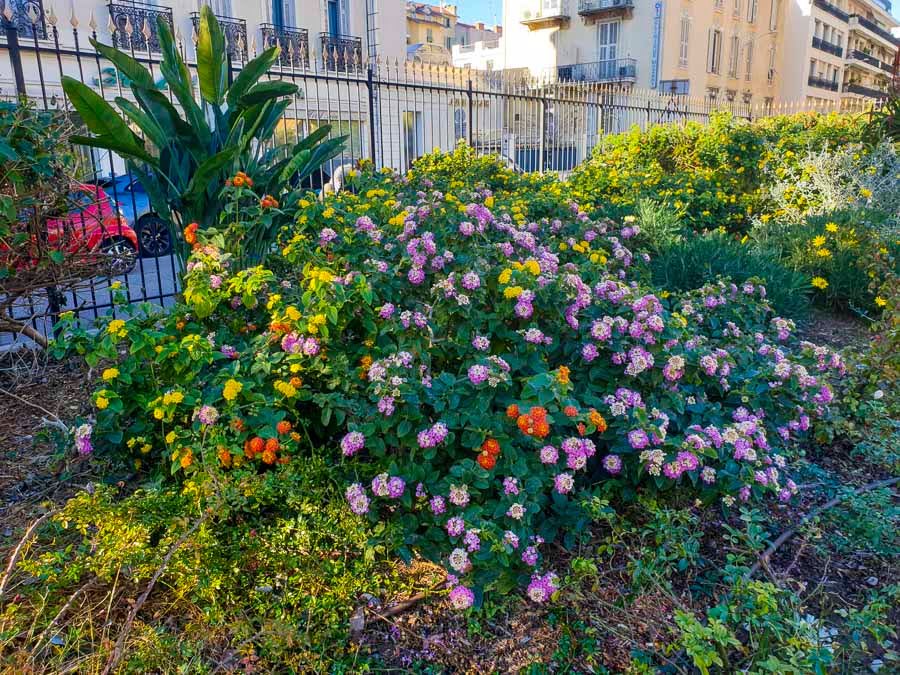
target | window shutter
[{"x": 709, "y": 51}]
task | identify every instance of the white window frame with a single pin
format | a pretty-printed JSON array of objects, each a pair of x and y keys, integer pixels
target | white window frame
[
  {"x": 749, "y": 59},
  {"x": 714, "y": 51},
  {"x": 684, "y": 41},
  {"x": 752, "y": 9}
]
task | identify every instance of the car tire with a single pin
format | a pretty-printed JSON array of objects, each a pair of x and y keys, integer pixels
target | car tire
[
  {"x": 121, "y": 253},
  {"x": 153, "y": 236}
]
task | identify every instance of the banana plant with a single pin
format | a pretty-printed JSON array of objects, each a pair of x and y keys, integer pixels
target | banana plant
[{"x": 184, "y": 153}]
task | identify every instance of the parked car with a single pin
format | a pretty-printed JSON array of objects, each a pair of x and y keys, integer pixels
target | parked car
[
  {"x": 152, "y": 232},
  {"x": 92, "y": 224}
]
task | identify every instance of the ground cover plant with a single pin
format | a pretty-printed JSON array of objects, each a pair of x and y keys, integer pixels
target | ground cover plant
[{"x": 468, "y": 371}]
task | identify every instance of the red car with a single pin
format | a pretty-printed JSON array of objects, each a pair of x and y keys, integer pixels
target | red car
[{"x": 93, "y": 225}]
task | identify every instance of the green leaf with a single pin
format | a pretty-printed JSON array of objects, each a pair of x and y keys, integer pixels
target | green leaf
[
  {"x": 129, "y": 67},
  {"x": 146, "y": 124},
  {"x": 294, "y": 165},
  {"x": 250, "y": 75},
  {"x": 211, "y": 61},
  {"x": 101, "y": 118},
  {"x": 112, "y": 143},
  {"x": 178, "y": 77},
  {"x": 207, "y": 172},
  {"x": 265, "y": 91}
]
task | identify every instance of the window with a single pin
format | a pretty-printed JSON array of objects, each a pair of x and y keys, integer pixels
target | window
[
  {"x": 607, "y": 41},
  {"x": 770, "y": 75},
  {"x": 718, "y": 4},
  {"x": 734, "y": 56},
  {"x": 714, "y": 51},
  {"x": 459, "y": 123},
  {"x": 429, "y": 35},
  {"x": 773, "y": 17},
  {"x": 812, "y": 67},
  {"x": 449, "y": 43},
  {"x": 749, "y": 49},
  {"x": 752, "y": 6},
  {"x": 737, "y": 7},
  {"x": 685, "y": 37}
]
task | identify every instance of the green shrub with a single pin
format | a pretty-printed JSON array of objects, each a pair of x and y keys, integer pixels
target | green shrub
[
  {"x": 480, "y": 370},
  {"x": 701, "y": 259}
]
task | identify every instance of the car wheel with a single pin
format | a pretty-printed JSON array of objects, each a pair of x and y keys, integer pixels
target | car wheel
[
  {"x": 120, "y": 254},
  {"x": 153, "y": 235}
]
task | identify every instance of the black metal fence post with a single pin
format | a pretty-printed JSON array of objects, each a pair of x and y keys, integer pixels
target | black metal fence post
[
  {"x": 471, "y": 107},
  {"x": 542, "y": 132},
  {"x": 15, "y": 54},
  {"x": 370, "y": 89}
]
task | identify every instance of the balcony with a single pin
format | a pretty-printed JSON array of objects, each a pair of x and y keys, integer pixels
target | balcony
[
  {"x": 863, "y": 90},
  {"x": 822, "y": 83},
  {"x": 834, "y": 10},
  {"x": 136, "y": 27},
  {"x": 830, "y": 47},
  {"x": 342, "y": 53},
  {"x": 614, "y": 70},
  {"x": 592, "y": 10},
  {"x": 294, "y": 43},
  {"x": 541, "y": 17},
  {"x": 869, "y": 60},
  {"x": 235, "y": 34},
  {"x": 23, "y": 13},
  {"x": 857, "y": 21}
]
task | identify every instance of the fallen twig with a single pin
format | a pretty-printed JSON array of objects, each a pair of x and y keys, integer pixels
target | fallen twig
[
  {"x": 65, "y": 608},
  {"x": 126, "y": 627},
  {"x": 787, "y": 534},
  {"x": 54, "y": 421},
  {"x": 17, "y": 551}
]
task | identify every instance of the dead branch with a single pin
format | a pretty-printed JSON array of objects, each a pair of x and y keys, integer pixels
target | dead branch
[
  {"x": 59, "y": 615},
  {"x": 54, "y": 420},
  {"x": 118, "y": 650},
  {"x": 787, "y": 534},
  {"x": 14, "y": 558}
]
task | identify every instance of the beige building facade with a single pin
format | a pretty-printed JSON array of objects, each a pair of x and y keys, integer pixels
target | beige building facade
[
  {"x": 840, "y": 50},
  {"x": 430, "y": 32},
  {"x": 748, "y": 51}
]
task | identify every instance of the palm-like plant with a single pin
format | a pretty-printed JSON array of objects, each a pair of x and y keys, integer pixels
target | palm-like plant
[{"x": 185, "y": 153}]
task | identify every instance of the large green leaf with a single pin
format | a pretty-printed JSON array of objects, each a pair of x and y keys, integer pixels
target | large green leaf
[
  {"x": 130, "y": 68},
  {"x": 116, "y": 144},
  {"x": 99, "y": 116},
  {"x": 157, "y": 106},
  {"x": 178, "y": 77},
  {"x": 208, "y": 172},
  {"x": 295, "y": 164},
  {"x": 310, "y": 141},
  {"x": 266, "y": 91},
  {"x": 211, "y": 61},
  {"x": 250, "y": 75},
  {"x": 144, "y": 122}
]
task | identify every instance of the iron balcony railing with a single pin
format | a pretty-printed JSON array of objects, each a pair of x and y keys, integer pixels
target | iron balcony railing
[
  {"x": 235, "y": 34},
  {"x": 28, "y": 17},
  {"x": 294, "y": 43},
  {"x": 829, "y": 47},
  {"x": 135, "y": 25},
  {"x": 863, "y": 90},
  {"x": 874, "y": 27},
  {"x": 834, "y": 10},
  {"x": 822, "y": 83},
  {"x": 341, "y": 52},
  {"x": 540, "y": 14},
  {"x": 591, "y": 7},
  {"x": 868, "y": 58},
  {"x": 613, "y": 70}
]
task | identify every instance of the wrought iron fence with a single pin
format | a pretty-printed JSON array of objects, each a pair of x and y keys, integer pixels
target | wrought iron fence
[{"x": 392, "y": 113}]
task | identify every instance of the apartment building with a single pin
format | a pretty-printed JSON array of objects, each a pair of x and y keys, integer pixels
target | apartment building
[
  {"x": 470, "y": 33},
  {"x": 839, "y": 49},
  {"x": 312, "y": 30},
  {"x": 430, "y": 32},
  {"x": 716, "y": 48}
]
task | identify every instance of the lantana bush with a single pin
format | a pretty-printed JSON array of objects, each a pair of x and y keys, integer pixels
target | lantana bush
[{"x": 479, "y": 373}]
